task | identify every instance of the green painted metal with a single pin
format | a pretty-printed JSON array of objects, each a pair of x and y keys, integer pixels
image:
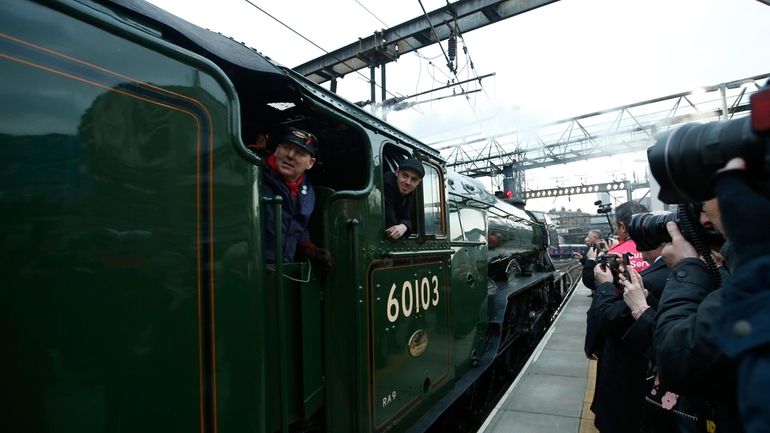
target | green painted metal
[
  {"x": 470, "y": 282},
  {"x": 135, "y": 293},
  {"x": 113, "y": 152},
  {"x": 312, "y": 366},
  {"x": 408, "y": 296},
  {"x": 282, "y": 319}
]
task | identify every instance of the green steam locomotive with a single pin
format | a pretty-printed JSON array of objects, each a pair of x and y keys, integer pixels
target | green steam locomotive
[{"x": 134, "y": 295}]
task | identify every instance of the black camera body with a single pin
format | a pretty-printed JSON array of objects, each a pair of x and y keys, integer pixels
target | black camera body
[
  {"x": 613, "y": 262},
  {"x": 683, "y": 159},
  {"x": 600, "y": 246},
  {"x": 605, "y": 209}
]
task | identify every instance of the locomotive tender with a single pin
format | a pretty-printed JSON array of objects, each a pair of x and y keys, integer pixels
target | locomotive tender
[{"x": 135, "y": 297}]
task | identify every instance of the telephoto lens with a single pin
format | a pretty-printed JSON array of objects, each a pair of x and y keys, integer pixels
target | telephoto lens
[
  {"x": 648, "y": 230},
  {"x": 683, "y": 159}
]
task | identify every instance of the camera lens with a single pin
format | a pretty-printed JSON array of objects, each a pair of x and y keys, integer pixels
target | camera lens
[
  {"x": 683, "y": 159},
  {"x": 648, "y": 230}
]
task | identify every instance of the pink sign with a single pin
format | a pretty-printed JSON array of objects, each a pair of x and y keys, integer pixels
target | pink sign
[{"x": 636, "y": 260}]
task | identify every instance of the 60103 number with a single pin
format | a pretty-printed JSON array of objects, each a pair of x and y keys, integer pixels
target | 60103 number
[{"x": 416, "y": 295}]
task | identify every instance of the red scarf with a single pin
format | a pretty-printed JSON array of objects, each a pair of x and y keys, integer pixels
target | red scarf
[{"x": 293, "y": 186}]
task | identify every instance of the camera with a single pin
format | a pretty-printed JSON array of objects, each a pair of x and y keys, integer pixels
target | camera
[
  {"x": 648, "y": 230},
  {"x": 600, "y": 246},
  {"x": 613, "y": 262},
  {"x": 603, "y": 208},
  {"x": 683, "y": 159}
]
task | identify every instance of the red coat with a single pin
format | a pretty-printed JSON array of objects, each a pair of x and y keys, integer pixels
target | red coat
[{"x": 629, "y": 246}]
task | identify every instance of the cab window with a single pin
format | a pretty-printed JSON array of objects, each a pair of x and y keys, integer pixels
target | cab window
[{"x": 432, "y": 195}]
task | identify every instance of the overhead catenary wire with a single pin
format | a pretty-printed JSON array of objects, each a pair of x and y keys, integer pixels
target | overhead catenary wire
[
  {"x": 419, "y": 56},
  {"x": 429, "y": 59},
  {"x": 364, "y": 77},
  {"x": 314, "y": 44},
  {"x": 472, "y": 67},
  {"x": 468, "y": 57},
  {"x": 453, "y": 70},
  {"x": 414, "y": 49},
  {"x": 435, "y": 34}
]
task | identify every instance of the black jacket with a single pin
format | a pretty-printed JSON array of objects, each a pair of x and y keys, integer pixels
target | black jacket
[
  {"x": 655, "y": 277},
  {"x": 621, "y": 370},
  {"x": 639, "y": 335},
  {"x": 587, "y": 274},
  {"x": 398, "y": 208},
  {"x": 743, "y": 330},
  {"x": 686, "y": 356}
]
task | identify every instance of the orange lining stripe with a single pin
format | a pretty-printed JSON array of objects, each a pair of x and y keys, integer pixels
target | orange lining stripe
[
  {"x": 211, "y": 193},
  {"x": 116, "y": 74}
]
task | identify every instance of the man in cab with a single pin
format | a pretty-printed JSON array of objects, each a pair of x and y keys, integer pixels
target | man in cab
[{"x": 399, "y": 196}]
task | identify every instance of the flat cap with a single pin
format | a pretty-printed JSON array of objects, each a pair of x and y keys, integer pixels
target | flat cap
[{"x": 412, "y": 164}]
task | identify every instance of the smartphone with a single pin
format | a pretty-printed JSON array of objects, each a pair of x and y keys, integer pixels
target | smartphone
[{"x": 626, "y": 265}]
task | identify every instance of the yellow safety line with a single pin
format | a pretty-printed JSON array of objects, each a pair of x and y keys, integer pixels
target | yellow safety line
[{"x": 587, "y": 417}]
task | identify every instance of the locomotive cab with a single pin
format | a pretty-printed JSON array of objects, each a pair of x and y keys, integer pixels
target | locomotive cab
[{"x": 138, "y": 297}]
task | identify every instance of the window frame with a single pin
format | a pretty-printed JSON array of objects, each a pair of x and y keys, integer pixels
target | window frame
[{"x": 392, "y": 152}]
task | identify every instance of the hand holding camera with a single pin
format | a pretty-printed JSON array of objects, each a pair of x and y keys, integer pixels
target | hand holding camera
[
  {"x": 602, "y": 274},
  {"x": 609, "y": 268},
  {"x": 600, "y": 246},
  {"x": 678, "y": 249},
  {"x": 634, "y": 293}
]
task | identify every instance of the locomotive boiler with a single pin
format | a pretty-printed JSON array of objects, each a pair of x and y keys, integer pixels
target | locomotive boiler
[{"x": 135, "y": 294}]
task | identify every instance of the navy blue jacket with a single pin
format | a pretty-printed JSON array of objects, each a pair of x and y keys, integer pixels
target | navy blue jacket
[
  {"x": 743, "y": 332},
  {"x": 742, "y": 328},
  {"x": 295, "y": 215}
]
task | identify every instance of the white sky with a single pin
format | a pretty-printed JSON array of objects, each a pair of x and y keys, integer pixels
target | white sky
[{"x": 562, "y": 60}]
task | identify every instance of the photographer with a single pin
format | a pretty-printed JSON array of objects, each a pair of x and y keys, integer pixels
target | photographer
[
  {"x": 619, "y": 333},
  {"x": 699, "y": 324},
  {"x": 687, "y": 360},
  {"x": 663, "y": 411},
  {"x": 622, "y": 362},
  {"x": 626, "y": 244},
  {"x": 589, "y": 263},
  {"x": 592, "y": 238},
  {"x": 743, "y": 323}
]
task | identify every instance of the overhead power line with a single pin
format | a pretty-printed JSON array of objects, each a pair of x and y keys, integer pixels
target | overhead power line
[{"x": 313, "y": 43}]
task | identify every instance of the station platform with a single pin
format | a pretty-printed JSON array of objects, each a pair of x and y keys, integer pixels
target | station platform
[{"x": 553, "y": 391}]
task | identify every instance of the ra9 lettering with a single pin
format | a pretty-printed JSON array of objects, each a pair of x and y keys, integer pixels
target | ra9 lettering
[
  {"x": 389, "y": 399},
  {"x": 415, "y": 296}
]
